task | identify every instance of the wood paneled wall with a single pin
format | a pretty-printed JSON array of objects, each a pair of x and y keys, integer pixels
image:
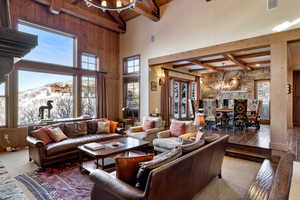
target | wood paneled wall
[{"x": 90, "y": 39}]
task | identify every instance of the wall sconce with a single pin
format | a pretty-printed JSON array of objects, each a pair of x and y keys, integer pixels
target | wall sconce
[{"x": 289, "y": 88}]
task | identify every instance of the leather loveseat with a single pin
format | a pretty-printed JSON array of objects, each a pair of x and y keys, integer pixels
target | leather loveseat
[
  {"x": 179, "y": 179},
  {"x": 45, "y": 154}
]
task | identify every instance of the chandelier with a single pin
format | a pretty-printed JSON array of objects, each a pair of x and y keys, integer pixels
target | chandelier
[{"x": 111, "y": 5}]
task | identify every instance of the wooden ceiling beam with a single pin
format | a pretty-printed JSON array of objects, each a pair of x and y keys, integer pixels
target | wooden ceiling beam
[
  {"x": 152, "y": 13},
  {"x": 238, "y": 62},
  {"x": 198, "y": 62},
  {"x": 4, "y": 14},
  {"x": 83, "y": 14},
  {"x": 183, "y": 65}
]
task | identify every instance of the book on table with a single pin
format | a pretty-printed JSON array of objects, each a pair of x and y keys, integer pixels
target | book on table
[{"x": 94, "y": 146}]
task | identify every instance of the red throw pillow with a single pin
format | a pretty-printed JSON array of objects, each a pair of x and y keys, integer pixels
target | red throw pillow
[
  {"x": 148, "y": 124},
  {"x": 113, "y": 126},
  {"x": 199, "y": 136},
  {"x": 42, "y": 134},
  {"x": 128, "y": 167},
  {"x": 177, "y": 129}
]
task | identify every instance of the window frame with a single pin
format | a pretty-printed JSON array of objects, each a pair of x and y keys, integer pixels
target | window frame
[
  {"x": 96, "y": 95},
  {"x": 6, "y": 104},
  {"x": 51, "y": 30},
  {"x": 131, "y": 77},
  {"x": 125, "y": 66},
  {"x": 90, "y": 55}
]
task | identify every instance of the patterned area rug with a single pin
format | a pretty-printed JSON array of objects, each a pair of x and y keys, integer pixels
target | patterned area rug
[
  {"x": 9, "y": 190},
  {"x": 63, "y": 183}
]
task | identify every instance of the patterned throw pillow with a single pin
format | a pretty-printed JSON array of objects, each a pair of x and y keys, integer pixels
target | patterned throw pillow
[
  {"x": 148, "y": 124},
  {"x": 127, "y": 167},
  {"x": 57, "y": 134},
  {"x": 92, "y": 126},
  {"x": 177, "y": 128},
  {"x": 75, "y": 129},
  {"x": 43, "y": 135},
  {"x": 103, "y": 127},
  {"x": 159, "y": 160},
  {"x": 113, "y": 126}
]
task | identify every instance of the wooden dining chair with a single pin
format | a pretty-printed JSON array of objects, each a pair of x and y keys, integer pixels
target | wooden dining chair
[{"x": 240, "y": 113}]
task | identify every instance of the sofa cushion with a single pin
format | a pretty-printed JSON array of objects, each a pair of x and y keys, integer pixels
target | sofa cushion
[
  {"x": 159, "y": 160},
  {"x": 127, "y": 167},
  {"x": 57, "y": 134},
  {"x": 148, "y": 124},
  {"x": 177, "y": 128},
  {"x": 167, "y": 143},
  {"x": 157, "y": 120},
  {"x": 73, "y": 143},
  {"x": 43, "y": 135},
  {"x": 75, "y": 129}
]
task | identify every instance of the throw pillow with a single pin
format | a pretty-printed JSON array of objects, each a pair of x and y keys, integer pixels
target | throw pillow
[
  {"x": 103, "y": 127},
  {"x": 57, "y": 134},
  {"x": 148, "y": 124},
  {"x": 75, "y": 129},
  {"x": 187, "y": 136},
  {"x": 159, "y": 160},
  {"x": 186, "y": 148},
  {"x": 42, "y": 134},
  {"x": 177, "y": 128},
  {"x": 113, "y": 126},
  {"x": 199, "y": 136},
  {"x": 127, "y": 167},
  {"x": 92, "y": 126}
]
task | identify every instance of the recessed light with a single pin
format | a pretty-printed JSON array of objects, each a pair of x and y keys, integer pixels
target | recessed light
[{"x": 257, "y": 65}]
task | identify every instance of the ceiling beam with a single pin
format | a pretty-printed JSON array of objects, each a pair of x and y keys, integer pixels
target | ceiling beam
[
  {"x": 238, "y": 62},
  {"x": 183, "y": 65},
  {"x": 153, "y": 12},
  {"x": 251, "y": 55},
  {"x": 198, "y": 62},
  {"x": 83, "y": 14},
  {"x": 4, "y": 14}
]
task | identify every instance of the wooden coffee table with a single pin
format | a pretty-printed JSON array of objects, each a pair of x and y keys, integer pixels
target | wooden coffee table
[{"x": 105, "y": 155}]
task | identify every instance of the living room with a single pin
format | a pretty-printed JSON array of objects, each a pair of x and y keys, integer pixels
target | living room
[{"x": 119, "y": 99}]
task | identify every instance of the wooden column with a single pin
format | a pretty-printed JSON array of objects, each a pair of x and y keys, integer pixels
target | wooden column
[
  {"x": 165, "y": 99},
  {"x": 279, "y": 96}
]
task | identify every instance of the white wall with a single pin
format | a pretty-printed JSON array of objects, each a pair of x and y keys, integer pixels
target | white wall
[{"x": 192, "y": 24}]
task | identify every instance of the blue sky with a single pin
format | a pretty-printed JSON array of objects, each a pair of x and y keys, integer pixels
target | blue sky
[
  {"x": 52, "y": 48},
  {"x": 2, "y": 89}
]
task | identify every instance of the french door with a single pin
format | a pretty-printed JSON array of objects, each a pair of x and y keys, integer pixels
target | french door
[
  {"x": 179, "y": 91},
  {"x": 262, "y": 93}
]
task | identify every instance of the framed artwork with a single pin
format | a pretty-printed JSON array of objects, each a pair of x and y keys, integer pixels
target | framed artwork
[{"x": 153, "y": 86}]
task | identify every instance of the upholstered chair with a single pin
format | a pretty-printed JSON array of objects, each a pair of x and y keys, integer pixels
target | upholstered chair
[
  {"x": 240, "y": 113},
  {"x": 149, "y": 134},
  {"x": 210, "y": 106},
  {"x": 253, "y": 115},
  {"x": 166, "y": 140}
]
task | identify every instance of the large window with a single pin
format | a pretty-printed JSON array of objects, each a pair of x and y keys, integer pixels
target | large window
[
  {"x": 2, "y": 104},
  {"x": 36, "y": 89},
  {"x": 53, "y": 47},
  {"x": 89, "y": 61},
  {"x": 132, "y": 65},
  {"x": 88, "y": 96}
]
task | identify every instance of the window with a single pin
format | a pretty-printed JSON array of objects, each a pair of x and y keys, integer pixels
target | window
[
  {"x": 89, "y": 61},
  {"x": 262, "y": 89},
  {"x": 2, "y": 105},
  {"x": 88, "y": 96},
  {"x": 53, "y": 47},
  {"x": 132, "y": 98},
  {"x": 132, "y": 65},
  {"x": 36, "y": 89}
]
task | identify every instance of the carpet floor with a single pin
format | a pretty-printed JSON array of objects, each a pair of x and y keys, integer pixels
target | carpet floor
[{"x": 237, "y": 176}]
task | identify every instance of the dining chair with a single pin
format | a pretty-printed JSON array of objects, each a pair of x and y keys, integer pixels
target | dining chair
[
  {"x": 253, "y": 115},
  {"x": 210, "y": 106},
  {"x": 240, "y": 113}
]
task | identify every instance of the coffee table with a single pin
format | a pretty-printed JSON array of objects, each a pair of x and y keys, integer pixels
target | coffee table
[{"x": 127, "y": 145}]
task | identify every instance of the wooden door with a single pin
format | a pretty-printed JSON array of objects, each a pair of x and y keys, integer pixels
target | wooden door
[{"x": 296, "y": 104}]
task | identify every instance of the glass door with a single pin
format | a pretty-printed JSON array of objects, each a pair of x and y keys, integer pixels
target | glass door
[
  {"x": 262, "y": 93},
  {"x": 180, "y": 99}
]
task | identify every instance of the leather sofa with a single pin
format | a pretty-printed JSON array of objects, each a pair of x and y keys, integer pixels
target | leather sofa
[
  {"x": 179, "y": 179},
  {"x": 46, "y": 154}
]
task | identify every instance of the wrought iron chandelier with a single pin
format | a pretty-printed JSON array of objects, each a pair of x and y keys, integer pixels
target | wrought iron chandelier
[{"x": 112, "y": 5}]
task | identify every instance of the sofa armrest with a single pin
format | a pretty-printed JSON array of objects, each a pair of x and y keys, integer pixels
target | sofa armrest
[
  {"x": 106, "y": 184},
  {"x": 154, "y": 130},
  {"x": 135, "y": 129},
  {"x": 33, "y": 142},
  {"x": 164, "y": 134}
]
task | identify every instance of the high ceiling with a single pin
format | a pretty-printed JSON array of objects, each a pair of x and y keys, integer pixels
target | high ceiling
[
  {"x": 112, "y": 20},
  {"x": 241, "y": 60}
]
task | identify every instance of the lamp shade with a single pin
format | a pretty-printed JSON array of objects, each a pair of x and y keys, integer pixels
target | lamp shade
[{"x": 199, "y": 119}]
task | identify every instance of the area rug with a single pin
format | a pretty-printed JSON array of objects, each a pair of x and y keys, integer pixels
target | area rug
[{"x": 62, "y": 183}]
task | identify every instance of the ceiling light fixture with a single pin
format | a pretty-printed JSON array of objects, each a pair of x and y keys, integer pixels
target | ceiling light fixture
[{"x": 116, "y": 5}]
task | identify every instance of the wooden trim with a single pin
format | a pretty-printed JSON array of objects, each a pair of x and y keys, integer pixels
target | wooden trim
[
  {"x": 5, "y": 20},
  {"x": 238, "y": 62},
  {"x": 172, "y": 70},
  {"x": 83, "y": 14},
  {"x": 207, "y": 66}
]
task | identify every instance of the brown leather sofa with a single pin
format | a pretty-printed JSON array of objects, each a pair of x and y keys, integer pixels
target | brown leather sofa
[
  {"x": 44, "y": 155},
  {"x": 273, "y": 180},
  {"x": 180, "y": 179}
]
